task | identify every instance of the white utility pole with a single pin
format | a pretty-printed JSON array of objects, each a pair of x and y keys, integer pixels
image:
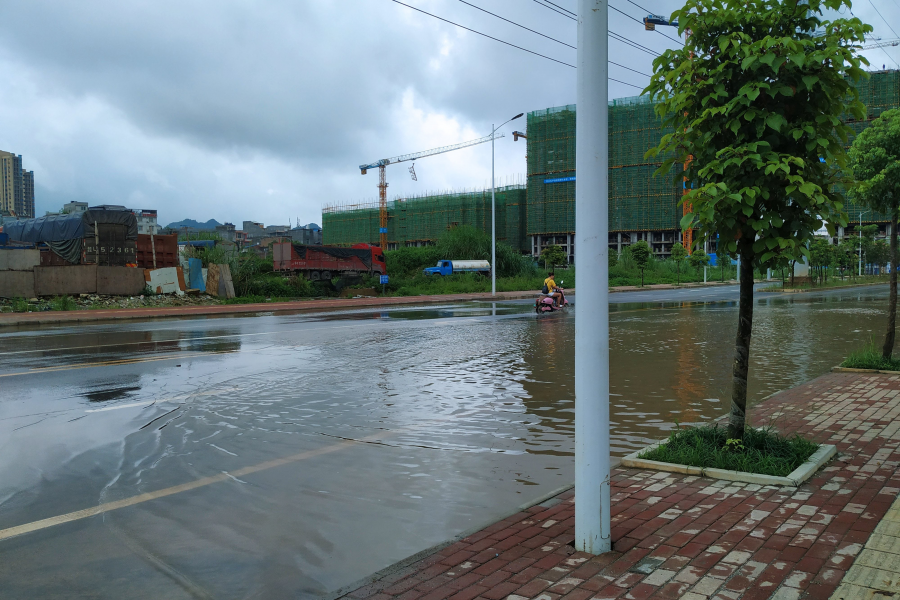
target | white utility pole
[
  {"x": 493, "y": 222},
  {"x": 592, "y": 464},
  {"x": 860, "y": 241},
  {"x": 494, "y": 213}
]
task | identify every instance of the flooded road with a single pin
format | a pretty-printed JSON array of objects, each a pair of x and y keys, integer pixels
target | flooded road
[{"x": 288, "y": 456}]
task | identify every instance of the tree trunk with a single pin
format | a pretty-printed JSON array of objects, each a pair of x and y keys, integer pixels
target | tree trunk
[
  {"x": 741, "y": 366},
  {"x": 892, "y": 299}
]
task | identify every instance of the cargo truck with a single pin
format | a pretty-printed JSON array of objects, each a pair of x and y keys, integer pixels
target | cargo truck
[
  {"x": 451, "y": 267},
  {"x": 321, "y": 263}
]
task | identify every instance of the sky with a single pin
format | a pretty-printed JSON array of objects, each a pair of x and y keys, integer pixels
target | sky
[{"x": 263, "y": 111}]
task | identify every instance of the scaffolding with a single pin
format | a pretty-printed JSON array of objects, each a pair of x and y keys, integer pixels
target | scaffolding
[
  {"x": 638, "y": 201},
  {"x": 420, "y": 220}
]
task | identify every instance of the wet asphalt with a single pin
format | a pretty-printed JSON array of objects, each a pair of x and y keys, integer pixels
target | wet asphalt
[{"x": 288, "y": 456}]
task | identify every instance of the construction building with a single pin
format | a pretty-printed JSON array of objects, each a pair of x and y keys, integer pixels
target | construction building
[
  {"x": 642, "y": 206},
  {"x": 420, "y": 220},
  {"x": 16, "y": 187}
]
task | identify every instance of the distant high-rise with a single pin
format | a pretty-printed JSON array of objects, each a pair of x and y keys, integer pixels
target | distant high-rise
[{"x": 16, "y": 186}]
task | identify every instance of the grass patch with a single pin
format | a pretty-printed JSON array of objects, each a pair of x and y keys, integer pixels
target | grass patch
[
  {"x": 761, "y": 451},
  {"x": 19, "y": 305},
  {"x": 870, "y": 358},
  {"x": 63, "y": 303}
]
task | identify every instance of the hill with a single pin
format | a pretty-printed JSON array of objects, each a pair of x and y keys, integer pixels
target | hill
[{"x": 211, "y": 224}]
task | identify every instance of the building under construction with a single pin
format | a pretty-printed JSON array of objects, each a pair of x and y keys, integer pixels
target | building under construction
[{"x": 641, "y": 206}]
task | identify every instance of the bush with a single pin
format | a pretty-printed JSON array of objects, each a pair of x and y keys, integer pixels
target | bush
[
  {"x": 19, "y": 305},
  {"x": 63, "y": 303},
  {"x": 760, "y": 451},
  {"x": 870, "y": 358}
]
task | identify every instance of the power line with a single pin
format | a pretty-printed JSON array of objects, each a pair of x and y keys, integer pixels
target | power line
[
  {"x": 546, "y": 36},
  {"x": 561, "y": 8},
  {"x": 620, "y": 38},
  {"x": 554, "y": 10},
  {"x": 641, "y": 22},
  {"x": 514, "y": 46},
  {"x": 518, "y": 25},
  {"x": 883, "y": 19},
  {"x": 483, "y": 34}
]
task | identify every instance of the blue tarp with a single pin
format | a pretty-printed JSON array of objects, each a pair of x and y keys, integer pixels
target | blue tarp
[
  {"x": 61, "y": 228},
  {"x": 198, "y": 243},
  {"x": 195, "y": 269}
]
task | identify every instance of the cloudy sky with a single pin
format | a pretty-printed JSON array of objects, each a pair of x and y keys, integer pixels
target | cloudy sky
[{"x": 240, "y": 110}]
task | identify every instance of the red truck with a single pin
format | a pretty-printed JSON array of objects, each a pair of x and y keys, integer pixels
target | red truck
[{"x": 324, "y": 262}]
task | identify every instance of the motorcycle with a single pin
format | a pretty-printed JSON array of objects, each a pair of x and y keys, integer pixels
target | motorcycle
[{"x": 545, "y": 304}]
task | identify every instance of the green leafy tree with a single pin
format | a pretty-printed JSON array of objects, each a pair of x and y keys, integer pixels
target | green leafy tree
[
  {"x": 698, "y": 259},
  {"x": 640, "y": 253},
  {"x": 723, "y": 258},
  {"x": 679, "y": 255},
  {"x": 875, "y": 160},
  {"x": 756, "y": 95},
  {"x": 821, "y": 255},
  {"x": 553, "y": 255},
  {"x": 866, "y": 240},
  {"x": 844, "y": 257}
]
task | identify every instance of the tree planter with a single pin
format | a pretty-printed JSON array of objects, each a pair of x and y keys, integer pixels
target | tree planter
[{"x": 795, "y": 478}]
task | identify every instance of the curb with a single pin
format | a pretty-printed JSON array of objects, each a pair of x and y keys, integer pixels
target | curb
[
  {"x": 793, "y": 479},
  {"x": 852, "y": 370},
  {"x": 825, "y": 289},
  {"x": 402, "y": 564}
]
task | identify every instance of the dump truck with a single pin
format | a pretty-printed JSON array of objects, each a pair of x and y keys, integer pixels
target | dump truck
[
  {"x": 321, "y": 263},
  {"x": 451, "y": 267}
]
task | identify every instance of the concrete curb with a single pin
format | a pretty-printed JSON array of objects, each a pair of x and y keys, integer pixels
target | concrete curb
[
  {"x": 851, "y": 370},
  {"x": 825, "y": 289},
  {"x": 397, "y": 566},
  {"x": 794, "y": 479}
]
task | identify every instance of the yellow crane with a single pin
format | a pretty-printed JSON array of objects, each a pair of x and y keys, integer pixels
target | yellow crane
[{"x": 382, "y": 180}]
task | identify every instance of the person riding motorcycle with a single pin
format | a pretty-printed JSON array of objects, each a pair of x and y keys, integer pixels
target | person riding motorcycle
[{"x": 550, "y": 289}]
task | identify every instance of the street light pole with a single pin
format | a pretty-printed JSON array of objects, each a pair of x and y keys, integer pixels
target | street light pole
[
  {"x": 494, "y": 212},
  {"x": 860, "y": 241},
  {"x": 592, "y": 463}
]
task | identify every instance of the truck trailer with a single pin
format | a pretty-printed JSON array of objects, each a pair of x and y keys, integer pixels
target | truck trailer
[
  {"x": 451, "y": 267},
  {"x": 321, "y": 263}
]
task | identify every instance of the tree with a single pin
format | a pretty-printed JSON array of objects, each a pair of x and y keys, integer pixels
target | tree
[
  {"x": 722, "y": 257},
  {"x": 679, "y": 255},
  {"x": 553, "y": 255},
  {"x": 640, "y": 253},
  {"x": 845, "y": 256},
  {"x": 756, "y": 95},
  {"x": 875, "y": 160},
  {"x": 821, "y": 255},
  {"x": 698, "y": 259}
]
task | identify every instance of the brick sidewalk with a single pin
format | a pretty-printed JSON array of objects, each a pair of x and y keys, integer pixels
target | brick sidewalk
[{"x": 677, "y": 536}]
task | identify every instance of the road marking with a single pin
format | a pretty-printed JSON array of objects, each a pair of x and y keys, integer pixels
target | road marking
[
  {"x": 184, "y": 487},
  {"x": 111, "y": 363}
]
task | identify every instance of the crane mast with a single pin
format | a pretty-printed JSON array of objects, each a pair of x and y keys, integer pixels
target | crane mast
[{"x": 382, "y": 178}]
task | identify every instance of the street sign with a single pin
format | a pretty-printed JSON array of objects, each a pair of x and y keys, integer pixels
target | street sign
[
  {"x": 559, "y": 180},
  {"x": 384, "y": 280},
  {"x": 382, "y": 230}
]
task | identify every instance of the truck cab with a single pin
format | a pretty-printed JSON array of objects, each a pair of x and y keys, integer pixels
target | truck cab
[{"x": 444, "y": 267}]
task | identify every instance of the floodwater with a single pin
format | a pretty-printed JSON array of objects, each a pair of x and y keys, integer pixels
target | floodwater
[{"x": 288, "y": 456}]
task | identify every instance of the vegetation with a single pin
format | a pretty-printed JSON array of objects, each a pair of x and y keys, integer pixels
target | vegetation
[
  {"x": 874, "y": 158},
  {"x": 640, "y": 253},
  {"x": 679, "y": 255},
  {"x": 552, "y": 256},
  {"x": 63, "y": 303},
  {"x": 870, "y": 358},
  {"x": 712, "y": 447},
  {"x": 19, "y": 305},
  {"x": 756, "y": 96}
]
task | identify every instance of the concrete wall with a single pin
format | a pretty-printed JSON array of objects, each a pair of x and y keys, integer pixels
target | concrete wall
[
  {"x": 120, "y": 281},
  {"x": 19, "y": 260},
  {"x": 58, "y": 281},
  {"x": 17, "y": 284}
]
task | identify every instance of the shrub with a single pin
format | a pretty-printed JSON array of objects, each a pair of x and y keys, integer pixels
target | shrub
[{"x": 63, "y": 303}]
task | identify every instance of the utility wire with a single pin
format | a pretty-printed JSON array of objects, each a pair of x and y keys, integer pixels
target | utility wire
[
  {"x": 889, "y": 26},
  {"x": 561, "y": 8},
  {"x": 616, "y": 36},
  {"x": 641, "y": 22},
  {"x": 554, "y": 10},
  {"x": 483, "y": 34},
  {"x": 546, "y": 36},
  {"x": 507, "y": 43},
  {"x": 883, "y": 19},
  {"x": 517, "y": 25}
]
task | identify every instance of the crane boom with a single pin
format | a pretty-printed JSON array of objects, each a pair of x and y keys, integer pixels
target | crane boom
[
  {"x": 382, "y": 179},
  {"x": 882, "y": 44},
  {"x": 415, "y": 155}
]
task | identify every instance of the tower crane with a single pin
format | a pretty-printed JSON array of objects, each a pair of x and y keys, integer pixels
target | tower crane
[
  {"x": 882, "y": 44},
  {"x": 382, "y": 181}
]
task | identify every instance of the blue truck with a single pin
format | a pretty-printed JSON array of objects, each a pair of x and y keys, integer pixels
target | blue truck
[{"x": 450, "y": 267}]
